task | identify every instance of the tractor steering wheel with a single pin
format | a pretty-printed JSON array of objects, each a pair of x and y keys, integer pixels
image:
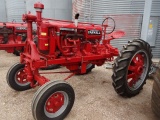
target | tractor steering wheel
[{"x": 106, "y": 28}]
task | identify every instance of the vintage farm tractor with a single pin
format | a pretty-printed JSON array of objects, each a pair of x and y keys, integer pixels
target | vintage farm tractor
[
  {"x": 79, "y": 47},
  {"x": 12, "y": 37}
]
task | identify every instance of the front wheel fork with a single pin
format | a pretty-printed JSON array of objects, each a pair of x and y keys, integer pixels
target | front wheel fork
[
  {"x": 34, "y": 77},
  {"x": 41, "y": 80}
]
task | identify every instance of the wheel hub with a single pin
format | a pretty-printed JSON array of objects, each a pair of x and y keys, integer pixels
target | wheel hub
[
  {"x": 21, "y": 77},
  {"x": 135, "y": 70},
  {"x": 54, "y": 102},
  {"x": 140, "y": 70}
]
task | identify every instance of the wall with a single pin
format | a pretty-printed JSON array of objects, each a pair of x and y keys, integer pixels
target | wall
[
  {"x": 15, "y": 9},
  {"x": 3, "y": 15},
  {"x": 55, "y": 9}
]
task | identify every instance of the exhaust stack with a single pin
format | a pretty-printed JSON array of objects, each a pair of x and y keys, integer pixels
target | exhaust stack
[{"x": 76, "y": 19}]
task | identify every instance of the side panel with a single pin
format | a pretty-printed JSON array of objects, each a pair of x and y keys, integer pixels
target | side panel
[{"x": 152, "y": 30}]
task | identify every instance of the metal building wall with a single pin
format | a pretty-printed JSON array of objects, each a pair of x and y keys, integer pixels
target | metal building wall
[
  {"x": 125, "y": 18},
  {"x": 156, "y": 12},
  {"x": 55, "y": 9},
  {"x": 84, "y": 8},
  {"x": 155, "y": 8},
  {"x": 3, "y": 15},
  {"x": 120, "y": 10},
  {"x": 15, "y": 9}
]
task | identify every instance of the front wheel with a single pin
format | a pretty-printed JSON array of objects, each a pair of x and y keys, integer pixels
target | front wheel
[
  {"x": 17, "y": 78},
  {"x": 53, "y": 101},
  {"x": 131, "y": 68}
]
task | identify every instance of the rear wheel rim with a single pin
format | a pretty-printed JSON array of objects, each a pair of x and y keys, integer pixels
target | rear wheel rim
[
  {"x": 21, "y": 77},
  {"x": 137, "y": 70},
  {"x": 56, "y": 104}
]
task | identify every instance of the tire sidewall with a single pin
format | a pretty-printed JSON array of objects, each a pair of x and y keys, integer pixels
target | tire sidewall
[
  {"x": 155, "y": 99},
  {"x": 42, "y": 100},
  {"x": 11, "y": 78}
]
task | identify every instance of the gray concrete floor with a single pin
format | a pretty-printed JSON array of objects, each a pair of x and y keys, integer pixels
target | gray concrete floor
[{"x": 95, "y": 97}]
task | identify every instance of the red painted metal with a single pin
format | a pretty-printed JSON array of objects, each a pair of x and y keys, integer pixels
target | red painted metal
[
  {"x": 54, "y": 102},
  {"x": 62, "y": 72},
  {"x": 55, "y": 72},
  {"x": 61, "y": 42},
  {"x": 135, "y": 69},
  {"x": 12, "y": 36}
]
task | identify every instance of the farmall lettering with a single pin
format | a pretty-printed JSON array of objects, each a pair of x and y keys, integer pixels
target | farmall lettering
[
  {"x": 94, "y": 32},
  {"x": 79, "y": 47}
]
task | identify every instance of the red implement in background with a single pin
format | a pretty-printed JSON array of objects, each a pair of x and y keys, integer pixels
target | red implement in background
[{"x": 12, "y": 36}]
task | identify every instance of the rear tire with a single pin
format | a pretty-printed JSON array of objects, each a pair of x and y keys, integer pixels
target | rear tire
[
  {"x": 155, "y": 100},
  {"x": 53, "y": 101},
  {"x": 131, "y": 68}
]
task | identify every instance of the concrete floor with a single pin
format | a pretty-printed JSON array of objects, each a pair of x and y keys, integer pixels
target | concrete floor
[{"x": 95, "y": 97}]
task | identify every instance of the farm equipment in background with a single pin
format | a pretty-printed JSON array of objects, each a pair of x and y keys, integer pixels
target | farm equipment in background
[
  {"x": 13, "y": 37},
  {"x": 79, "y": 47}
]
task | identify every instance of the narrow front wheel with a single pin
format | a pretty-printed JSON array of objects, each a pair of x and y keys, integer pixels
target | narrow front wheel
[
  {"x": 17, "y": 78},
  {"x": 53, "y": 101}
]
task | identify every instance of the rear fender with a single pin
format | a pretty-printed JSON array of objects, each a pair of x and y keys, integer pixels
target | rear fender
[{"x": 116, "y": 34}]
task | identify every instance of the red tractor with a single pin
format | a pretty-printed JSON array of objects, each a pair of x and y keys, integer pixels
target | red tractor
[
  {"x": 79, "y": 47},
  {"x": 12, "y": 37}
]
